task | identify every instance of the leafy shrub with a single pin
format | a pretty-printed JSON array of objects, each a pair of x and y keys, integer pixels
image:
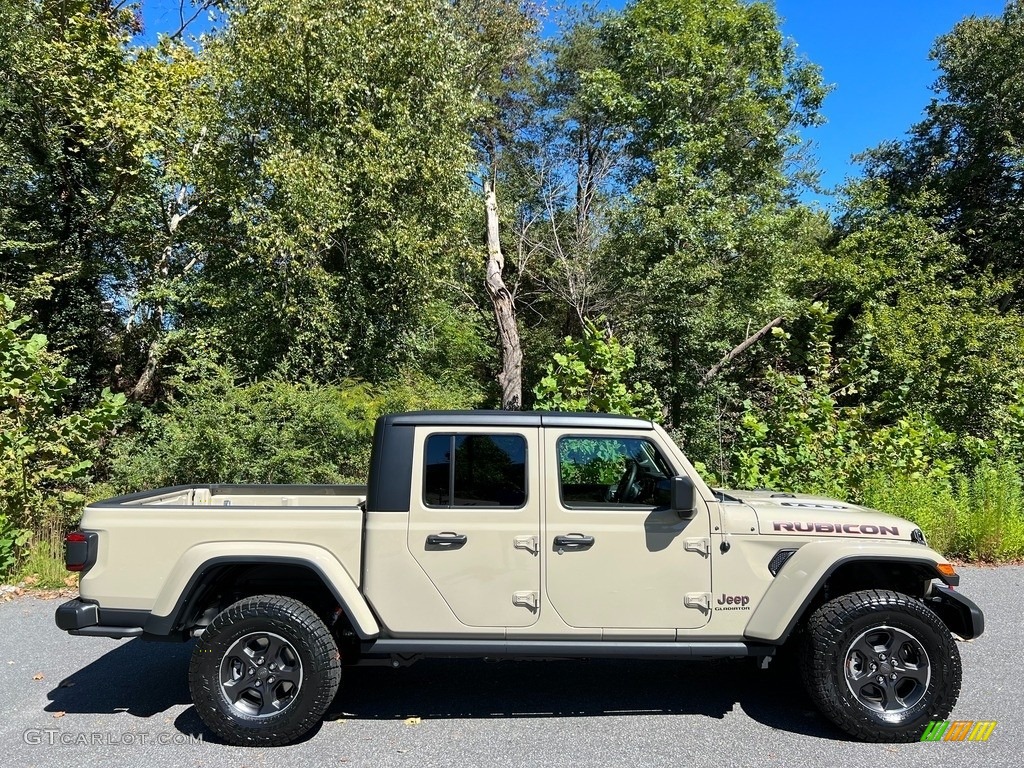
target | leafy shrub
[
  {"x": 592, "y": 375},
  {"x": 272, "y": 431},
  {"x": 803, "y": 437},
  {"x": 810, "y": 434},
  {"x": 46, "y": 452},
  {"x": 11, "y": 541}
]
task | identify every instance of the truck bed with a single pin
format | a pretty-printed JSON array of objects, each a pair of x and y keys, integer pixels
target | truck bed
[
  {"x": 243, "y": 496},
  {"x": 162, "y": 537}
]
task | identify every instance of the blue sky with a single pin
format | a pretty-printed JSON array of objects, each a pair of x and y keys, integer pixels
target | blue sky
[
  {"x": 876, "y": 55},
  {"x": 874, "y": 52}
]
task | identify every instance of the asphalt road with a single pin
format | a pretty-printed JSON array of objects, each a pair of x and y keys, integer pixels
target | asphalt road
[{"x": 92, "y": 701}]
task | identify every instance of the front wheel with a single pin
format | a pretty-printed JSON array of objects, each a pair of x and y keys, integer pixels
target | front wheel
[
  {"x": 880, "y": 665},
  {"x": 264, "y": 672}
]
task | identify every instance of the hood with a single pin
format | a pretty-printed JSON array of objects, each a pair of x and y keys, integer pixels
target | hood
[{"x": 800, "y": 514}]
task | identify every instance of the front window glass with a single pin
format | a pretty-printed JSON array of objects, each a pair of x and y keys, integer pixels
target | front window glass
[{"x": 611, "y": 471}]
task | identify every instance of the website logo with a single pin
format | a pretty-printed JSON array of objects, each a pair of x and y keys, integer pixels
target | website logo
[{"x": 958, "y": 730}]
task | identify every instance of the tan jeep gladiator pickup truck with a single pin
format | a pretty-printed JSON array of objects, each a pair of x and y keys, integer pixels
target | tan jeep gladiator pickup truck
[{"x": 519, "y": 535}]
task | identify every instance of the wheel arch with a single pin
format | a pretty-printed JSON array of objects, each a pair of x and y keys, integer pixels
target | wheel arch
[
  {"x": 220, "y": 580},
  {"x": 815, "y": 574}
]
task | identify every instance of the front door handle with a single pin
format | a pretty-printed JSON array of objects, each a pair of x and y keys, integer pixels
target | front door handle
[
  {"x": 573, "y": 542},
  {"x": 446, "y": 540}
]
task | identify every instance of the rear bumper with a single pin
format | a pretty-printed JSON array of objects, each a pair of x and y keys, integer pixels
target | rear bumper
[
  {"x": 957, "y": 612},
  {"x": 80, "y": 617}
]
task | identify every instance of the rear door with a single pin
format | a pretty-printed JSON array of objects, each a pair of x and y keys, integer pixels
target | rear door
[
  {"x": 617, "y": 557},
  {"x": 474, "y": 521}
]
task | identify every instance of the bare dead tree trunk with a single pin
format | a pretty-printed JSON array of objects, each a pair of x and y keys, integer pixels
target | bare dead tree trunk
[{"x": 510, "y": 378}]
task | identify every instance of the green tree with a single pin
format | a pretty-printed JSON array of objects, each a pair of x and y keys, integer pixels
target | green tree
[
  {"x": 345, "y": 152},
  {"x": 72, "y": 148},
  {"x": 940, "y": 338},
  {"x": 927, "y": 257},
  {"x": 105, "y": 225},
  {"x": 564, "y": 166},
  {"x": 708, "y": 98},
  {"x": 181, "y": 221},
  {"x": 967, "y": 152}
]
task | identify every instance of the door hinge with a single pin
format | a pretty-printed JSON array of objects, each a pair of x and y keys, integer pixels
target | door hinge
[
  {"x": 699, "y": 600},
  {"x": 530, "y": 543},
  {"x": 529, "y": 600},
  {"x": 698, "y": 545}
]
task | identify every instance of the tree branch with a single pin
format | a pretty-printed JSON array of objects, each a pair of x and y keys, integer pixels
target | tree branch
[
  {"x": 184, "y": 23},
  {"x": 739, "y": 349}
]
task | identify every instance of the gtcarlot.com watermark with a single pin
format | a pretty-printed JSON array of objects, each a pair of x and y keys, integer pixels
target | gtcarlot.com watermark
[{"x": 52, "y": 737}]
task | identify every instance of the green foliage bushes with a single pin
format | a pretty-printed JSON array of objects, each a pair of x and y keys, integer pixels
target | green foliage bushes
[
  {"x": 218, "y": 430},
  {"x": 47, "y": 450},
  {"x": 808, "y": 433},
  {"x": 811, "y": 431},
  {"x": 979, "y": 516},
  {"x": 592, "y": 374}
]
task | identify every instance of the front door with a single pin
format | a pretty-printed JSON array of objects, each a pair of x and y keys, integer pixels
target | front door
[
  {"x": 474, "y": 523},
  {"x": 617, "y": 557}
]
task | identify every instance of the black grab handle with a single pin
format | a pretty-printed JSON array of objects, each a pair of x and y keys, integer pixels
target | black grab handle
[
  {"x": 574, "y": 541},
  {"x": 446, "y": 540}
]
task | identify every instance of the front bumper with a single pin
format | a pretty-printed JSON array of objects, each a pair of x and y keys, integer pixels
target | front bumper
[
  {"x": 80, "y": 617},
  {"x": 957, "y": 612}
]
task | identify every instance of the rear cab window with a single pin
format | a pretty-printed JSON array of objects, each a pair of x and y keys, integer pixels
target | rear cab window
[{"x": 475, "y": 470}]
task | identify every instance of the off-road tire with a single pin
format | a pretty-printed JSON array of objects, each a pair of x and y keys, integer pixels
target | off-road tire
[
  {"x": 241, "y": 700},
  {"x": 921, "y": 684}
]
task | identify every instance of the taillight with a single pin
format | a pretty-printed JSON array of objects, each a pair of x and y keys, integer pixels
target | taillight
[{"x": 79, "y": 550}]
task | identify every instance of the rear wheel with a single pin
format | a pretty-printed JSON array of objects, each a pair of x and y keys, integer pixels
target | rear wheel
[
  {"x": 264, "y": 672},
  {"x": 880, "y": 665}
]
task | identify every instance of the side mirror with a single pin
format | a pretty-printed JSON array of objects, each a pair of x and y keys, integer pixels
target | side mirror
[{"x": 684, "y": 500}]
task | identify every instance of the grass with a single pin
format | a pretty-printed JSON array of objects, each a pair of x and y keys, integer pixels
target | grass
[
  {"x": 976, "y": 518},
  {"x": 43, "y": 568}
]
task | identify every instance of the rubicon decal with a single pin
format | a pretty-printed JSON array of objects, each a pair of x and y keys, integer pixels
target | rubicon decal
[{"x": 857, "y": 529}]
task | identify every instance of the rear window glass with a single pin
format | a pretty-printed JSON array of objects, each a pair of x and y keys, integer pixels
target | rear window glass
[{"x": 476, "y": 470}]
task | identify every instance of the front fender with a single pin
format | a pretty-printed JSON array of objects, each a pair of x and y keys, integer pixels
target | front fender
[
  {"x": 200, "y": 559},
  {"x": 807, "y": 570}
]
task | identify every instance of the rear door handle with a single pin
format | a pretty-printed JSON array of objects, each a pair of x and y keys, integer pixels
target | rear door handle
[
  {"x": 446, "y": 540},
  {"x": 574, "y": 542}
]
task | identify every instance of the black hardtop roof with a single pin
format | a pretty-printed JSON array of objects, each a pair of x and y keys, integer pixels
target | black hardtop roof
[{"x": 515, "y": 419}]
